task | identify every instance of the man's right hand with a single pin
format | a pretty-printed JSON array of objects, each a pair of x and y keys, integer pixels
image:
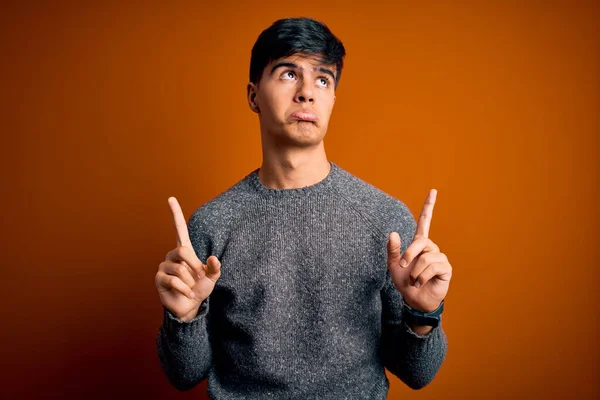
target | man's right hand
[{"x": 182, "y": 281}]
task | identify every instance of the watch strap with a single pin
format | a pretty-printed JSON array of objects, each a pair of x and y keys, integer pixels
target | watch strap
[{"x": 423, "y": 318}]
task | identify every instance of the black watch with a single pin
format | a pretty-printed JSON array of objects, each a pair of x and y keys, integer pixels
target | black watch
[{"x": 420, "y": 318}]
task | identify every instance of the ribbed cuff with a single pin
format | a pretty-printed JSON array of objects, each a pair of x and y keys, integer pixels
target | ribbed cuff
[
  {"x": 433, "y": 332},
  {"x": 172, "y": 323}
]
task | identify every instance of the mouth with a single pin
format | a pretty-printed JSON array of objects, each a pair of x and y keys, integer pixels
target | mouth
[{"x": 304, "y": 115}]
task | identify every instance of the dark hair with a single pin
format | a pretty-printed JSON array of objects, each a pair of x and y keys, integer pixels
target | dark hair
[{"x": 296, "y": 35}]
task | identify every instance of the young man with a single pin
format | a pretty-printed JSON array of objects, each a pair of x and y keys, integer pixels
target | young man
[{"x": 298, "y": 282}]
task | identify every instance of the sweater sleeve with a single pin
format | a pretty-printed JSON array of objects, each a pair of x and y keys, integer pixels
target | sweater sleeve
[
  {"x": 415, "y": 359},
  {"x": 184, "y": 348}
]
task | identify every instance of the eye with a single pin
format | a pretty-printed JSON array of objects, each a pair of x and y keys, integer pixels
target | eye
[
  {"x": 323, "y": 81},
  {"x": 288, "y": 75}
]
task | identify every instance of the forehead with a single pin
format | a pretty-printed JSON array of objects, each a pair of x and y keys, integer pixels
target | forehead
[{"x": 304, "y": 60}]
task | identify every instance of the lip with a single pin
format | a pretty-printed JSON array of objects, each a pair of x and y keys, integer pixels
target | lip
[{"x": 304, "y": 115}]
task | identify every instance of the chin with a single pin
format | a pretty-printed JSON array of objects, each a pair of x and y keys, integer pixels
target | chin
[{"x": 304, "y": 132}]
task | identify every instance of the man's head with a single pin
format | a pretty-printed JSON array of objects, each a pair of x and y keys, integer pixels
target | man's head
[{"x": 295, "y": 68}]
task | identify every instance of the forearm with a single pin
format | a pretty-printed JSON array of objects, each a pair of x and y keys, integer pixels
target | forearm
[
  {"x": 184, "y": 349},
  {"x": 413, "y": 357}
]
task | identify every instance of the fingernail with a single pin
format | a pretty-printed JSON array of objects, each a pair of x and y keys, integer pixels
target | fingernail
[
  {"x": 403, "y": 263},
  {"x": 192, "y": 295},
  {"x": 417, "y": 284}
]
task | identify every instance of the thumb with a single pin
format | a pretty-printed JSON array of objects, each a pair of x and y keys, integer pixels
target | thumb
[
  {"x": 213, "y": 268},
  {"x": 393, "y": 248}
]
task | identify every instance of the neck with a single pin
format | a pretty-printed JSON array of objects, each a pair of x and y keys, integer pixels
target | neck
[{"x": 293, "y": 168}]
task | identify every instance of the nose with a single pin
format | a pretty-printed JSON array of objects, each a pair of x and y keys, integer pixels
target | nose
[{"x": 305, "y": 92}]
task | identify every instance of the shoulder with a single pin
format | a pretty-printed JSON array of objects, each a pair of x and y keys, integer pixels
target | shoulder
[
  {"x": 219, "y": 212},
  {"x": 386, "y": 212}
]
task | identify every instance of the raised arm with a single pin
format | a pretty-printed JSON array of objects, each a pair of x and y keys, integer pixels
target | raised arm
[
  {"x": 184, "y": 284},
  {"x": 418, "y": 276}
]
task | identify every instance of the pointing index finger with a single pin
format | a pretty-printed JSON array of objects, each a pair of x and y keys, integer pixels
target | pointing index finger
[
  {"x": 183, "y": 237},
  {"x": 426, "y": 214}
]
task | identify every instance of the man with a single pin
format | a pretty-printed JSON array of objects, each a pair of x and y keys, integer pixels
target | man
[{"x": 298, "y": 282}]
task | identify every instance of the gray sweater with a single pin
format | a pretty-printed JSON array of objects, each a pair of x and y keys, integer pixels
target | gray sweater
[{"x": 305, "y": 307}]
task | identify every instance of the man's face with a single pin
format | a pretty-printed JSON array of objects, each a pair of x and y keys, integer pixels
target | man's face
[{"x": 294, "y": 99}]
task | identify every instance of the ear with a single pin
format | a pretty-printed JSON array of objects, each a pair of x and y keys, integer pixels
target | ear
[{"x": 251, "y": 93}]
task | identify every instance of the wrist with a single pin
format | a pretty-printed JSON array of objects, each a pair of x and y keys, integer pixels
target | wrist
[
  {"x": 192, "y": 314},
  {"x": 421, "y": 329},
  {"x": 189, "y": 316},
  {"x": 429, "y": 308}
]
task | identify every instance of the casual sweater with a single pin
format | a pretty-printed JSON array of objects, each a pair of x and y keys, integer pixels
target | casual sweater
[{"x": 305, "y": 307}]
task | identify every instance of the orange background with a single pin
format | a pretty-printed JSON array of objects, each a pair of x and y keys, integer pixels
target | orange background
[{"x": 108, "y": 110}]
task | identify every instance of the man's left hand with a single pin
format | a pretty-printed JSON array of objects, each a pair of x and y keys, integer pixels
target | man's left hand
[{"x": 422, "y": 274}]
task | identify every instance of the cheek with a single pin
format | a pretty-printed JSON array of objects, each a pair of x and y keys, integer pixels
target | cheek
[
  {"x": 273, "y": 104},
  {"x": 327, "y": 107}
]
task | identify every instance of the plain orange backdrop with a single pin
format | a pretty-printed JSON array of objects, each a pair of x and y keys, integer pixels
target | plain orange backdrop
[{"x": 107, "y": 110}]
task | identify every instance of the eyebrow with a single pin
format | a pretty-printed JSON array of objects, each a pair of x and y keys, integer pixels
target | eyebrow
[{"x": 288, "y": 64}]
